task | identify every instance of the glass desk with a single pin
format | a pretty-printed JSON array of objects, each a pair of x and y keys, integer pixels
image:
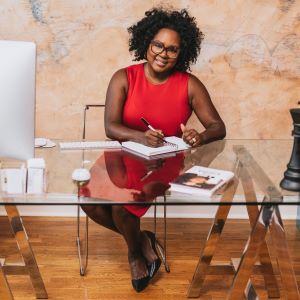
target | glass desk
[{"x": 120, "y": 178}]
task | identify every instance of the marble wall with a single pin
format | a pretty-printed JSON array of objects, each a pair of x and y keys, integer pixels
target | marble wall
[{"x": 249, "y": 62}]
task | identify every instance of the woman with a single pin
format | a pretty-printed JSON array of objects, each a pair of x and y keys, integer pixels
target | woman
[{"x": 161, "y": 91}]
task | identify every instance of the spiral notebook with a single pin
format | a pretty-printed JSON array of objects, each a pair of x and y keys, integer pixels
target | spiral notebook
[{"x": 173, "y": 145}]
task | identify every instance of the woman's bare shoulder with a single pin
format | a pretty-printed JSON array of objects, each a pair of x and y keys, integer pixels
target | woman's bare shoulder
[
  {"x": 195, "y": 81},
  {"x": 119, "y": 79},
  {"x": 120, "y": 74}
]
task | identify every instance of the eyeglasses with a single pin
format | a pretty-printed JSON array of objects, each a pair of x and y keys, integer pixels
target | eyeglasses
[{"x": 158, "y": 48}]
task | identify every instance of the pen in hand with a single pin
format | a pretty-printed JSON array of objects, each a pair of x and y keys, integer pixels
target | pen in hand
[
  {"x": 151, "y": 128},
  {"x": 147, "y": 124},
  {"x": 161, "y": 135}
]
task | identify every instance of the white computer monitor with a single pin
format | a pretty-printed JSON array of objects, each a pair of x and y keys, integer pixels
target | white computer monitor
[{"x": 17, "y": 99}]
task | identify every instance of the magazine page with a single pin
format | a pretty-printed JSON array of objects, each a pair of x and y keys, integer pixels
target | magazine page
[{"x": 201, "y": 181}]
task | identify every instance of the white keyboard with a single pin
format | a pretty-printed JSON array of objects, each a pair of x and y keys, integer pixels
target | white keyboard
[{"x": 89, "y": 145}]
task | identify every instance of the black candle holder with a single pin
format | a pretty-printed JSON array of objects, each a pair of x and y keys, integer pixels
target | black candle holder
[{"x": 291, "y": 180}]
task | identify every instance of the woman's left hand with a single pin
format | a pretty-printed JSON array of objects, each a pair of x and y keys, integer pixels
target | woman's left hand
[{"x": 191, "y": 136}]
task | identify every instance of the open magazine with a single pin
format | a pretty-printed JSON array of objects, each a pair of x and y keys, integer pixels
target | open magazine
[
  {"x": 173, "y": 145},
  {"x": 201, "y": 181}
]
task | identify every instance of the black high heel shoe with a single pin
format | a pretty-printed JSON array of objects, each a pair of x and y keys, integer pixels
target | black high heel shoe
[
  {"x": 141, "y": 283},
  {"x": 154, "y": 266}
]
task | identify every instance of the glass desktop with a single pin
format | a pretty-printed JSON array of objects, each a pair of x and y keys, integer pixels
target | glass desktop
[{"x": 120, "y": 178}]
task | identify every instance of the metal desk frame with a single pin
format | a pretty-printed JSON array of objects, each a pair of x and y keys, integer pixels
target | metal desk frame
[
  {"x": 28, "y": 266},
  {"x": 256, "y": 249}
]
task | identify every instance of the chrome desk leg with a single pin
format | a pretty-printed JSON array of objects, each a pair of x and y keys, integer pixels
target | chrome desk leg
[
  {"x": 155, "y": 216},
  {"x": 265, "y": 260},
  {"x": 211, "y": 243},
  {"x": 264, "y": 256},
  {"x": 5, "y": 292},
  {"x": 249, "y": 292},
  {"x": 162, "y": 249},
  {"x": 165, "y": 235},
  {"x": 250, "y": 254},
  {"x": 19, "y": 232},
  {"x": 285, "y": 265},
  {"x": 82, "y": 251}
]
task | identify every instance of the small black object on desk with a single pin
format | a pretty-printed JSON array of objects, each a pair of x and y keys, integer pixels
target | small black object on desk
[{"x": 291, "y": 180}]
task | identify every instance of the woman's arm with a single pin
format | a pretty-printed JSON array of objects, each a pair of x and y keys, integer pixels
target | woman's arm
[
  {"x": 114, "y": 105},
  {"x": 207, "y": 114}
]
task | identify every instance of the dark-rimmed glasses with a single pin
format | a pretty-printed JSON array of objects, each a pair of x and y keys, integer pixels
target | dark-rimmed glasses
[{"x": 158, "y": 48}]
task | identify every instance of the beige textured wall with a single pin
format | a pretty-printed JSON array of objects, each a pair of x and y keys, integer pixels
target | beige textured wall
[{"x": 250, "y": 59}]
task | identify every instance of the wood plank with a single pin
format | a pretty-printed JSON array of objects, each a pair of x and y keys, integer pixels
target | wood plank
[{"x": 108, "y": 277}]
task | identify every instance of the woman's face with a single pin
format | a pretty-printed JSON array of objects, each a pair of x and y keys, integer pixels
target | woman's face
[{"x": 166, "y": 41}]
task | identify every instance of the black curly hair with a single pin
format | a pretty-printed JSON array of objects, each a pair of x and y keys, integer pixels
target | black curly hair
[{"x": 142, "y": 33}]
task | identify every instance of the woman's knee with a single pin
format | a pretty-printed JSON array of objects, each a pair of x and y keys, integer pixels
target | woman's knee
[
  {"x": 118, "y": 210},
  {"x": 121, "y": 212},
  {"x": 89, "y": 209}
]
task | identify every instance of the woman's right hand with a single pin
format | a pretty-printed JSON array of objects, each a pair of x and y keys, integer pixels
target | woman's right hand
[{"x": 153, "y": 138}]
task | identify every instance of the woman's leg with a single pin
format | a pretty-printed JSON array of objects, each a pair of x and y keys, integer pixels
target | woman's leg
[
  {"x": 138, "y": 243},
  {"x": 129, "y": 226},
  {"x": 147, "y": 249},
  {"x": 101, "y": 214}
]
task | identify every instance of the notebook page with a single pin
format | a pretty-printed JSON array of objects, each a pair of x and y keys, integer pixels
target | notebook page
[
  {"x": 151, "y": 151},
  {"x": 148, "y": 151},
  {"x": 181, "y": 144}
]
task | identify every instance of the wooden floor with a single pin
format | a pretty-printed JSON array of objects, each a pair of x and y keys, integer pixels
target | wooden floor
[{"x": 108, "y": 277}]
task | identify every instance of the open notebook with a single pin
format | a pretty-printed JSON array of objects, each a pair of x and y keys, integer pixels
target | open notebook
[{"x": 174, "y": 144}]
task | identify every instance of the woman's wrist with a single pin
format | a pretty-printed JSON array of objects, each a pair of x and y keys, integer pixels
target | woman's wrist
[
  {"x": 139, "y": 137},
  {"x": 202, "y": 139}
]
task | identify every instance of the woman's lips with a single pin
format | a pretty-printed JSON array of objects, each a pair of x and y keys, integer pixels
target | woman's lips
[{"x": 161, "y": 63}]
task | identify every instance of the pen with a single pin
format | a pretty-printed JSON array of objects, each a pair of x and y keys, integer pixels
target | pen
[
  {"x": 147, "y": 124},
  {"x": 150, "y": 127}
]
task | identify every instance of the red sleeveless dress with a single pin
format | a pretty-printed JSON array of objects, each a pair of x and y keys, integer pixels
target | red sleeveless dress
[{"x": 165, "y": 106}]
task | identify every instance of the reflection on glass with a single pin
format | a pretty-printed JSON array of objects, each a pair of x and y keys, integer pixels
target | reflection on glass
[{"x": 120, "y": 176}]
